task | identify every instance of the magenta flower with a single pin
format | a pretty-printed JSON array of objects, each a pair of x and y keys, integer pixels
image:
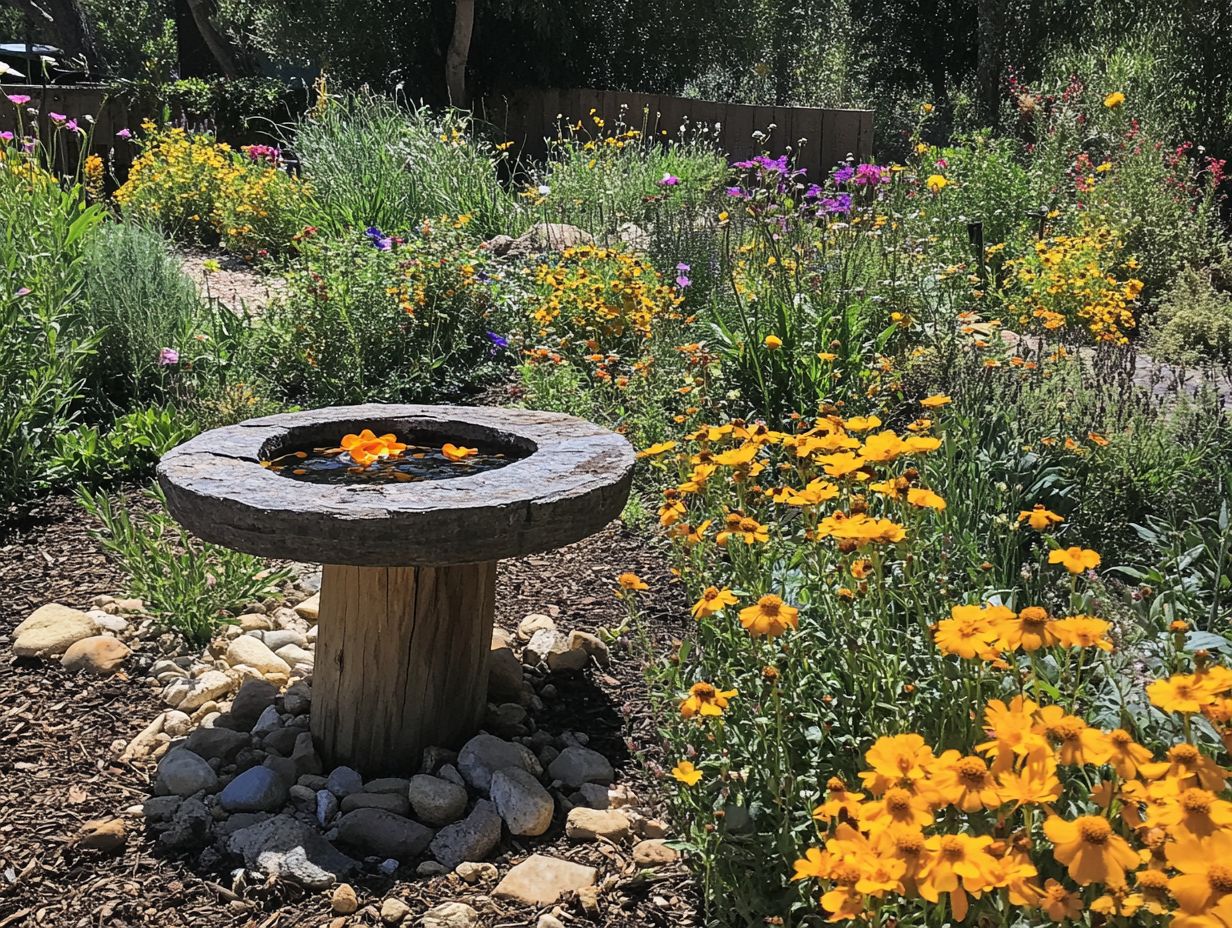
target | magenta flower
[
  {"x": 72, "y": 126},
  {"x": 6, "y": 136},
  {"x": 19, "y": 99},
  {"x": 57, "y": 117},
  {"x": 683, "y": 282},
  {"x": 124, "y": 134},
  {"x": 669, "y": 180},
  {"x": 870, "y": 175},
  {"x": 167, "y": 357}
]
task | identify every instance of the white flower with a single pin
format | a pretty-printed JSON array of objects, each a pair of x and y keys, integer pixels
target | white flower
[{"x": 544, "y": 190}]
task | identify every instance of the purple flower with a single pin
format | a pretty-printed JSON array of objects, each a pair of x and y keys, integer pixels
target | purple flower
[
  {"x": 844, "y": 174},
  {"x": 813, "y": 192},
  {"x": 124, "y": 134},
  {"x": 380, "y": 241},
  {"x": 736, "y": 193},
  {"x": 19, "y": 99},
  {"x": 683, "y": 268},
  {"x": 57, "y": 117},
  {"x": 839, "y": 204},
  {"x": 669, "y": 180},
  {"x": 6, "y": 136},
  {"x": 682, "y": 282},
  {"x": 744, "y": 165},
  {"x": 72, "y": 126},
  {"x": 168, "y": 357},
  {"x": 870, "y": 175},
  {"x": 498, "y": 340}
]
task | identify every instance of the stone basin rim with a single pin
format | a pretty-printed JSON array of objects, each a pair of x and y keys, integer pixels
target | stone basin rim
[{"x": 573, "y": 480}]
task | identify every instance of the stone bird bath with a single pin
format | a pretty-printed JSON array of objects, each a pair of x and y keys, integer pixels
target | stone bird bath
[{"x": 409, "y": 582}]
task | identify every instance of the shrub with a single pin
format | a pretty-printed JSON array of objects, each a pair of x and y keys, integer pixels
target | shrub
[
  {"x": 129, "y": 448},
  {"x": 196, "y": 189},
  {"x": 1079, "y": 281},
  {"x": 1192, "y": 324},
  {"x": 190, "y": 585},
  {"x": 138, "y": 302},
  {"x": 43, "y": 232},
  {"x": 372, "y": 162},
  {"x": 371, "y": 317}
]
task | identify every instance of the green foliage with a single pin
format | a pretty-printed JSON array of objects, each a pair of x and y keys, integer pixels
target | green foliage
[
  {"x": 1192, "y": 324},
  {"x": 190, "y": 585},
  {"x": 362, "y": 324},
  {"x": 43, "y": 233},
  {"x": 136, "y": 37},
  {"x": 372, "y": 162},
  {"x": 138, "y": 302},
  {"x": 127, "y": 449},
  {"x": 601, "y": 178},
  {"x": 241, "y": 109}
]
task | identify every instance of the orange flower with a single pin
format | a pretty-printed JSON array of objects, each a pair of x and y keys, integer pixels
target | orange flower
[
  {"x": 631, "y": 581},
  {"x": 1040, "y": 518},
  {"x": 457, "y": 452},
  {"x": 769, "y": 616},
  {"x": 1029, "y": 629},
  {"x": 958, "y": 864},
  {"x": 686, "y": 773},
  {"x": 935, "y": 401},
  {"x": 896, "y": 759},
  {"x": 964, "y": 782},
  {"x": 1193, "y": 812},
  {"x": 1127, "y": 755},
  {"x": 1082, "y": 631},
  {"x": 1076, "y": 560},
  {"x": 713, "y": 600},
  {"x": 839, "y": 801},
  {"x": 656, "y": 449},
  {"x": 1059, "y": 904},
  {"x": 1090, "y": 849},
  {"x": 925, "y": 499},
  {"x": 1182, "y": 693},
  {"x": 367, "y": 448},
  {"x": 705, "y": 700},
  {"x": 897, "y": 808},
  {"x": 1189, "y": 767},
  {"x": 1206, "y": 871},
  {"x": 968, "y": 633}
]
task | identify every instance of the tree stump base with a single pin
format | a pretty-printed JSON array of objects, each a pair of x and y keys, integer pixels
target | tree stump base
[{"x": 402, "y": 662}]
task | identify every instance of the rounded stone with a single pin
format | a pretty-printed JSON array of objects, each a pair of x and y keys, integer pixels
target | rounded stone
[
  {"x": 257, "y": 789},
  {"x": 573, "y": 479},
  {"x": 98, "y": 654}
]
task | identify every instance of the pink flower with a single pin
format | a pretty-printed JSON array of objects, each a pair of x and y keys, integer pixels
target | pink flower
[
  {"x": 57, "y": 117},
  {"x": 24, "y": 291},
  {"x": 669, "y": 180},
  {"x": 6, "y": 136},
  {"x": 168, "y": 357},
  {"x": 124, "y": 134},
  {"x": 19, "y": 99}
]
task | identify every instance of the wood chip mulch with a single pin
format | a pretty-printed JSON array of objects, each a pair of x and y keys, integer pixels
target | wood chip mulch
[{"x": 58, "y": 767}]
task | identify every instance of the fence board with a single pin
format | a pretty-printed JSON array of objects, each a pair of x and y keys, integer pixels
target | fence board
[{"x": 828, "y": 135}]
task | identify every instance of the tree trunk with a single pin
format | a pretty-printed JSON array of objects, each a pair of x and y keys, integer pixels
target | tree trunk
[
  {"x": 402, "y": 662},
  {"x": 220, "y": 47},
  {"x": 991, "y": 25},
  {"x": 459, "y": 51},
  {"x": 68, "y": 28}
]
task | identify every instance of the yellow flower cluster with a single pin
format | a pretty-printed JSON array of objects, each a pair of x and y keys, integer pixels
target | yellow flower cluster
[
  {"x": 599, "y": 305},
  {"x": 1133, "y": 833},
  {"x": 196, "y": 187},
  {"x": 1070, "y": 280},
  {"x": 828, "y": 461}
]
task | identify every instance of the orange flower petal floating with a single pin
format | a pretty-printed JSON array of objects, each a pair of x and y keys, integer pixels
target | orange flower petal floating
[{"x": 457, "y": 452}]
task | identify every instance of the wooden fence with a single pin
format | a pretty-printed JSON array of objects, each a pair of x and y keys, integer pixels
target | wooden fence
[
  {"x": 83, "y": 103},
  {"x": 821, "y": 138}
]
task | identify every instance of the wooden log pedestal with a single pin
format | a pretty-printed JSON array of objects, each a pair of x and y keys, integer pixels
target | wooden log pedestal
[
  {"x": 408, "y": 591},
  {"x": 401, "y": 662}
]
